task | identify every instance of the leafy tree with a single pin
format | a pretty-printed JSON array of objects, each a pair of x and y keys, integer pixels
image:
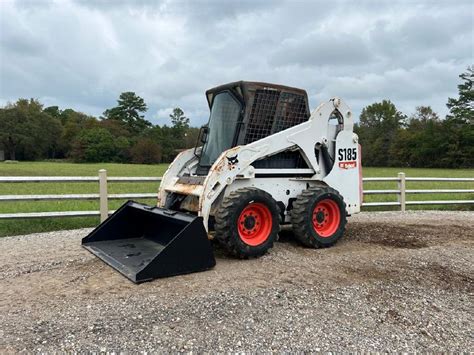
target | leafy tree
[
  {"x": 13, "y": 131},
  {"x": 146, "y": 151},
  {"x": 377, "y": 129},
  {"x": 117, "y": 128},
  {"x": 458, "y": 144},
  {"x": 422, "y": 115},
  {"x": 191, "y": 137},
  {"x": 74, "y": 122},
  {"x": 382, "y": 115},
  {"x": 53, "y": 111},
  {"x": 421, "y": 143},
  {"x": 122, "y": 145},
  {"x": 165, "y": 137},
  {"x": 122, "y": 136},
  {"x": 128, "y": 110},
  {"x": 26, "y": 132},
  {"x": 94, "y": 145}
]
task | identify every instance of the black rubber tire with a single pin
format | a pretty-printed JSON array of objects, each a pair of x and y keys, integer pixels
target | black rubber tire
[
  {"x": 226, "y": 225},
  {"x": 302, "y": 214}
]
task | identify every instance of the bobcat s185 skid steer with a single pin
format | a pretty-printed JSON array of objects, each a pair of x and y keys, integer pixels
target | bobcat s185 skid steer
[{"x": 261, "y": 161}]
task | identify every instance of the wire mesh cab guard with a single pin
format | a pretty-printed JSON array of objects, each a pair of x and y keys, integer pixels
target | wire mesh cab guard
[
  {"x": 268, "y": 109},
  {"x": 272, "y": 111}
]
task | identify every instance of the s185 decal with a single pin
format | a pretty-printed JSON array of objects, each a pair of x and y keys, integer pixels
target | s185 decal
[
  {"x": 347, "y": 158},
  {"x": 347, "y": 154}
]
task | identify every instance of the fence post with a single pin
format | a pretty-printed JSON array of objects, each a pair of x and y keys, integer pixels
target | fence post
[
  {"x": 402, "y": 194},
  {"x": 103, "y": 201}
]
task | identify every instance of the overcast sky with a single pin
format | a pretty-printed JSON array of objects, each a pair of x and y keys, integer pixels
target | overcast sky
[{"x": 83, "y": 54}]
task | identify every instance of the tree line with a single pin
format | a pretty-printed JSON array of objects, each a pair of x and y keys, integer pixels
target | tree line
[
  {"x": 30, "y": 131},
  {"x": 391, "y": 138}
]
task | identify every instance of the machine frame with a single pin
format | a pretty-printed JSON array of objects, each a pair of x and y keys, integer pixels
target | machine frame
[{"x": 233, "y": 169}]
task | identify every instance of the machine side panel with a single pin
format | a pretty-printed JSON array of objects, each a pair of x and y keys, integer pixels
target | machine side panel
[{"x": 346, "y": 172}]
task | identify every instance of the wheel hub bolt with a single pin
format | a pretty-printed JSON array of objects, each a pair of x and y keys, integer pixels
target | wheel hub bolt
[{"x": 249, "y": 222}]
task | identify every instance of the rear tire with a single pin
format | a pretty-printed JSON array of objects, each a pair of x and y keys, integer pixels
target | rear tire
[
  {"x": 319, "y": 217},
  {"x": 247, "y": 222}
]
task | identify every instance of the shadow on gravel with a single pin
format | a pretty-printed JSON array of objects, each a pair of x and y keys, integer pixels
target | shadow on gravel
[{"x": 286, "y": 236}]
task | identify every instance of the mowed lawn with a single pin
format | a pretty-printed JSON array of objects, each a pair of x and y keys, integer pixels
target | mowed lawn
[{"x": 13, "y": 227}]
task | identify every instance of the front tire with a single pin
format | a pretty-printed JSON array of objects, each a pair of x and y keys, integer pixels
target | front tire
[
  {"x": 319, "y": 217},
  {"x": 247, "y": 222}
]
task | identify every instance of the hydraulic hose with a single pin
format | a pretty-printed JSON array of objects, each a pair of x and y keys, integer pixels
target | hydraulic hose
[{"x": 327, "y": 160}]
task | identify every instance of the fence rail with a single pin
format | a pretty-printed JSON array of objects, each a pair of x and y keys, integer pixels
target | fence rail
[{"x": 104, "y": 197}]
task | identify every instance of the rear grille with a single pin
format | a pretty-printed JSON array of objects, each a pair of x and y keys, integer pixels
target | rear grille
[{"x": 273, "y": 111}]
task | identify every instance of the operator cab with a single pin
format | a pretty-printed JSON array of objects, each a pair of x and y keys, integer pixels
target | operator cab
[{"x": 243, "y": 112}]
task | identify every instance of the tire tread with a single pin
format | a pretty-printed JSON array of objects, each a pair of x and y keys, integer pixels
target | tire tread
[
  {"x": 299, "y": 215},
  {"x": 225, "y": 228}
]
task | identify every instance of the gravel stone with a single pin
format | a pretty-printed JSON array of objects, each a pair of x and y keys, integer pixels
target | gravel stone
[{"x": 396, "y": 282}]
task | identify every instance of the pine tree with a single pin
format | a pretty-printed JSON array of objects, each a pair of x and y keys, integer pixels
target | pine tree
[
  {"x": 462, "y": 108},
  {"x": 128, "y": 110}
]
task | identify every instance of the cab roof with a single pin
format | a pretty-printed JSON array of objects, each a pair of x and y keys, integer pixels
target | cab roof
[{"x": 246, "y": 88}]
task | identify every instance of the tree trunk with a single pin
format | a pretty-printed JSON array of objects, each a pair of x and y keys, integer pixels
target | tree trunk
[{"x": 11, "y": 148}]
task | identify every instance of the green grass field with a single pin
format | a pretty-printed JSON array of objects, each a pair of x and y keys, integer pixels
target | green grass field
[{"x": 13, "y": 227}]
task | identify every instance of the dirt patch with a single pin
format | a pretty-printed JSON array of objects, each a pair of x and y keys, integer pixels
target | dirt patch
[
  {"x": 411, "y": 236},
  {"x": 449, "y": 279},
  {"x": 438, "y": 276},
  {"x": 399, "y": 241}
]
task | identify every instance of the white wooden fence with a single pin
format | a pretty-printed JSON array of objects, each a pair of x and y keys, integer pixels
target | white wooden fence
[
  {"x": 103, "y": 196},
  {"x": 402, "y": 191}
]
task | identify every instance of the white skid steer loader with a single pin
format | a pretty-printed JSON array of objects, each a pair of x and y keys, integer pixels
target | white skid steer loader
[{"x": 261, "y": 161}]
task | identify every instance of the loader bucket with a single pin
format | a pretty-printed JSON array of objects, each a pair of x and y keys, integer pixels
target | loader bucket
[{"x": 144, "y": 243}]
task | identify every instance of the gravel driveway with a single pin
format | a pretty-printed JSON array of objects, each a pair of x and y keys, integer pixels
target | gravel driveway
[{"x": 396, "y": 282}]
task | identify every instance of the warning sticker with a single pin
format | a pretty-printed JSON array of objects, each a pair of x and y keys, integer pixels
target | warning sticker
[{"x": 348, "y": 164}]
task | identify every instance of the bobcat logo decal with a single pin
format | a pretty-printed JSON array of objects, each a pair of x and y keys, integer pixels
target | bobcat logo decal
[{"x": 232, "y": 160}]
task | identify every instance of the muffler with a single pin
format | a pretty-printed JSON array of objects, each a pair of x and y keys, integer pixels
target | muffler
[{"x": 145, "y": 243}]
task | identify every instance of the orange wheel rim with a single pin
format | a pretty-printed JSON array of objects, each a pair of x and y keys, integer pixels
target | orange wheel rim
[
  {"x": 254, "y": 224},
  {"x": 326, "y": 218}
]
